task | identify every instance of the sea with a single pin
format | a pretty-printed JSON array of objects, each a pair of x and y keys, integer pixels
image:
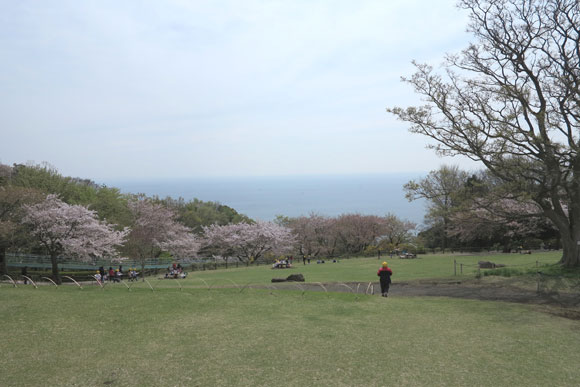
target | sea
[{"x": 264, "y": 198}]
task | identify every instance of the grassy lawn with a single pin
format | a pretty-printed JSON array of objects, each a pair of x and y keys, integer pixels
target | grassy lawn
[
  {"x": 365, "y": 269},
  {"x": 224, "y": 337},
  {"x": 68, "y": 336}
]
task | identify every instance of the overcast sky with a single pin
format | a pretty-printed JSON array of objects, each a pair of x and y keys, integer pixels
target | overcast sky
[{"x": 185, "y": 88}]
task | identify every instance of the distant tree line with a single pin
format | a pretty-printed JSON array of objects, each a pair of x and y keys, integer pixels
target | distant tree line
[
  {"x": 478, "y": 211},
  {"x": 43, "y": 212},
  {"x": 348, "y": 234}
]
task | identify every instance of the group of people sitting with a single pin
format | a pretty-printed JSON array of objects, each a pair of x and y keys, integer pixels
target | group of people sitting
[
  {"x": 282, "y": 264},
  {"x": 175, "y": 271},
  {"x": 115, "y": 275}
]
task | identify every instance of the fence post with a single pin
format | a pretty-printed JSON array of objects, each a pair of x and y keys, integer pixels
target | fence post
[
  {"x": 454, "y": 267},
  {"x": 461, "y": 269}
]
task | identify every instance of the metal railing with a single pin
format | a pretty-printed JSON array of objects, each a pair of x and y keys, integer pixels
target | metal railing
[{"x": 44, "y": 261}]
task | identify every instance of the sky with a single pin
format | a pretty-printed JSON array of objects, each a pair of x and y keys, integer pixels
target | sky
[{"x": 181, "y": 88}]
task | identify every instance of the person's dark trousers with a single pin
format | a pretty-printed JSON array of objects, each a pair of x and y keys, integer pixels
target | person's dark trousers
[{"x": 384, "y": 288}]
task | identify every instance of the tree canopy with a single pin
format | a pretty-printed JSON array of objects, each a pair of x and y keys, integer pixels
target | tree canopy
[
  {"x": 156, "y": 225},
  {"x": 511, "y": 101},
  {"x": 109, "y": 202},
  {"x": 73, "y": 229}
]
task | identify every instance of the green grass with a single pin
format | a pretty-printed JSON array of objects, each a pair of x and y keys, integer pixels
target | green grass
[
  {"x": 224, "y": 337},
  {"x": 365, "y": 269}
]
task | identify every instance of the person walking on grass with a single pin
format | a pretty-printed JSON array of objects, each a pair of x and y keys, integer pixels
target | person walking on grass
[{"x": 385, "y": 274}]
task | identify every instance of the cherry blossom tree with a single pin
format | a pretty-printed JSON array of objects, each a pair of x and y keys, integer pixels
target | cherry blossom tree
[
  {"x": 248, "y": 242},
  {"x": 314, "y": 235},
  {"x": 154, "y": 230},
  {"x": 356, "y": 232},
  {"x": 504, "y": 219},
  {"x": 318, "y": 235},
  {"x": 70, "y": 229}
]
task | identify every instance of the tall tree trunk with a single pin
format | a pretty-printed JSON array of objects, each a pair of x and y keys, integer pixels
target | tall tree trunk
[
  {"x": 568, "y": 226},
  {"x": 55, "y": 274},
  {"x": 3, "y": 266},
  {"x": 444, "y": 239},
  {"x": 571, "y": 250},
  {"x": 506, "y": 242}
]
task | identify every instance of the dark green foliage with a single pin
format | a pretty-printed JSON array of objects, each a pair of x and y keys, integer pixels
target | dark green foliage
[
  {"x": 196, "y": 213},
  {"x": 46, "y": 178},
  {"x": 111, "y": 205},
  {"x": 109, "y": 202}
]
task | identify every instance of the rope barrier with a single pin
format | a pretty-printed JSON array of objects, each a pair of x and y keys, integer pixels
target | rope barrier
[{"x": 504, "y": 265}]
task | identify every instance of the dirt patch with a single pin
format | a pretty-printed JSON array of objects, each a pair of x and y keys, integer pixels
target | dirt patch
[
  {"x": 485, "y": 291},
  {"x": 505, "y": 290}
]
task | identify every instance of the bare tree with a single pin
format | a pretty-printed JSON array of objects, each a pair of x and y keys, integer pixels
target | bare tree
[
  {"x": 511, "y": 101},
  {"x": 395, "y": 231}
]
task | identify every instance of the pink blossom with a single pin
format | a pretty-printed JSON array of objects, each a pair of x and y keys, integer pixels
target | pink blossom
[
  {"x": 154, "y": 229},
  {"x": 72, "y": 229},
  {"x": 248, "y": 242}
]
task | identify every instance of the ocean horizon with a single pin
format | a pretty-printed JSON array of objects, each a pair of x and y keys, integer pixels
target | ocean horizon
[{"x": 263, "y": 198}]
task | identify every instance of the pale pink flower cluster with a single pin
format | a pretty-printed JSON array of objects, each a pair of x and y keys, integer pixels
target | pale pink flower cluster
[
  {"x": 249, "y": 242},
  {"x": 349, "y": 233},
  {"x": 155, "y": 227},
  {"x": 72, "y": 229}
]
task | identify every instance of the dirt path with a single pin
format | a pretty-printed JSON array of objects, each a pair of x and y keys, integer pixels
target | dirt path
[
  {"x": 481, "y": 291},
  {"x": 562, "y": 304}
]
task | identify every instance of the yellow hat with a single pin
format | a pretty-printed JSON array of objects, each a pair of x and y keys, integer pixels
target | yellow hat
[
  {"x": 98, "y": 271},
  {"x": 384, "y": 264}
]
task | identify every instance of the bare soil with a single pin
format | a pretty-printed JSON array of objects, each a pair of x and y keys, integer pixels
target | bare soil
[{"x": 564, "y": 304}]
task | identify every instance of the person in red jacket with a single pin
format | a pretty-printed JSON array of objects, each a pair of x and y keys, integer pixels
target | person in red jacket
[{"x": 385, "y": 274}]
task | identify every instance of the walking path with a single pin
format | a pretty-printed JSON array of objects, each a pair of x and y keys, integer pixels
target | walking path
[{"x": 560, "y": 303}]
